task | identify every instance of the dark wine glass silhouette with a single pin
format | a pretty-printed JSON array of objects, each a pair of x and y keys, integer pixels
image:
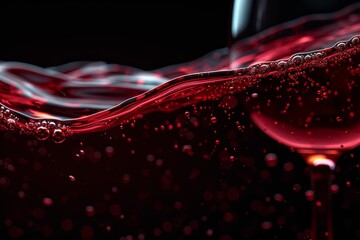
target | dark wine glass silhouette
[
  {"x": 314, "y": 110},
  {"x": 311, "y": 105}
]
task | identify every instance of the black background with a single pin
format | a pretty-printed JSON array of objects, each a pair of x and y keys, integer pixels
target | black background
[{"x": 148, "y": 34}]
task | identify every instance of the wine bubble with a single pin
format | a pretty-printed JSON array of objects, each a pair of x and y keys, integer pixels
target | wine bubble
[
  {"x": 47, "y": 201},
  {"x": 334, "y": 188},
  {"x": 11, "y": 124},
  {"x": 7, "y": 112},
  {"x": 109, "y": 151},
  {"x": 308, "y": 57},
  {"x": 52, "y": 125},
  {"x": 42, "y": 133},
  {"x": 254, "y": 95},
  {"x": 278, "y": 197},
  {"x": 281, "y": 65},
  {"x": 355, "y": 41},
  {"x": 58, "y": 136},
  {"x": 264, "y": 68},
  {"x": 309, "y": 195},
  {"x": 213, "y": 119},
  {"x": 266, "y": 225},
  {"x": 90, "y": 211},
  {"x": 297, "y": 59},
  {"x": 72, "y": 178},
  {"x": 271, "y": 159},
  {"x": 340, "y": 46}
]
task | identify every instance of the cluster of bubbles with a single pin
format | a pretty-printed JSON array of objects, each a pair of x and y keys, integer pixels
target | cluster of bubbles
[
  {"x": 8, "y": 120},
  {"x": 42, "y": 129},
  {"x": 298, "y": 59}
]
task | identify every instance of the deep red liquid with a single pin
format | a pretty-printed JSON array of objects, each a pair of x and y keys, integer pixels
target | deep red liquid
[
  {"x": 182, "y": 160},
  {"x": 313, "y": 106}
]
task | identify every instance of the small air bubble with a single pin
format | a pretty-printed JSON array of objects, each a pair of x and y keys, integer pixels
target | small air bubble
[
  {"x": 209, "y": 232},
  {"x": 21, "y": 194},
  {"x": 281, "y": 64},
  {"x": 126, "y": 178},
  {"x": 266, "y": 225},
  {"x": 47, "y": 201},
  {"x": 52, "y": 125},
  {"x": 264, "y": 68},
  {"x": 309, "y": 195},
  {"x": 254, "y": 95},
  {"x": 355, "y": 41},
  {"x": 150, "y": 158},
  {"x": 141, "y": 236},
  {"x": 318, "y": 55},
  {"x": 90, "y": 211},
  {"x": 278, "y": 197},
  {"x": 253, "y": 70},
  {"x": 11, "y": 124},
  {"x": 159, "y": 162},
  {"x": 298, "y": 59},
  {"x": 186, "y": 148},
  {"x": 288, "y": 167},
  {"x": 58, "y": 136},
  {"x": 213, "y": 119},
  {"x": 42, "y": 133},
  {"x": 271, "y": 159},
  {"x": 109, "y": 151},
  {"x": 296, "y": 187},
  {"x": 334, "y": 188},
  {"x": 308, "y": 58},
  {"x": 340, "y": 46},
  {"x": 72, "y": 178}
]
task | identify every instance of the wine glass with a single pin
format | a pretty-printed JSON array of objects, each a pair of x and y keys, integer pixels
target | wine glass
[{"x": 313, "y": 107}]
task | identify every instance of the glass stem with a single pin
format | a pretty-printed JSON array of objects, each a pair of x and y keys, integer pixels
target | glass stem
[{"x": 322, "y": 225}]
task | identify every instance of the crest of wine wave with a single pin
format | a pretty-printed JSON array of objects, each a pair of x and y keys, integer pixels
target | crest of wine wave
[{"x": 80, "y": 97}]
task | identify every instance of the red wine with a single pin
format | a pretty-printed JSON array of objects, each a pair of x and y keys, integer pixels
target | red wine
[
  {"x": 97, "y": 151},
  {"x": 313, "y": 105}
]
